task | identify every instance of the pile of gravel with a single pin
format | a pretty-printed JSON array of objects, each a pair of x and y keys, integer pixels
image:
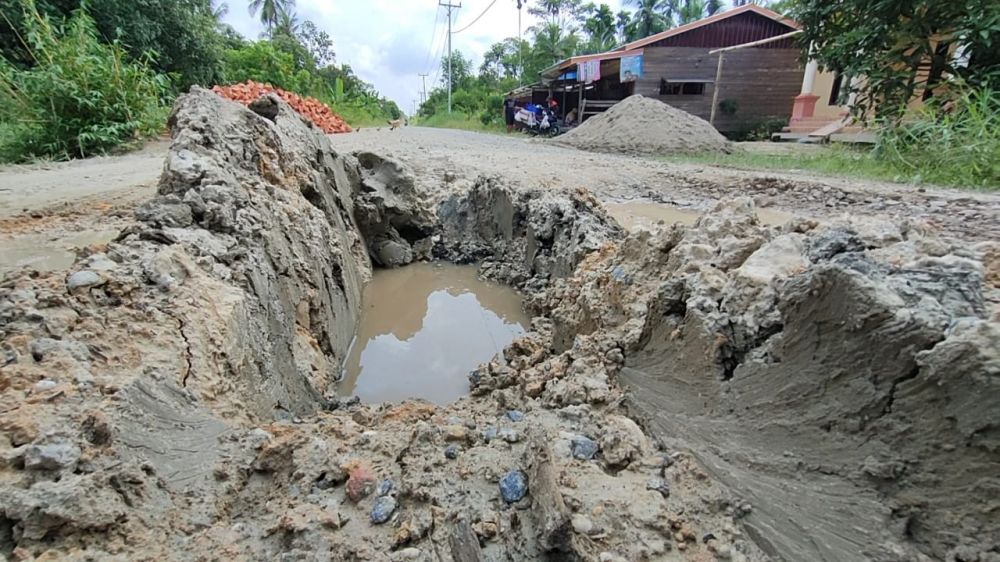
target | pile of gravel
[{"x": 640, "y": 125}]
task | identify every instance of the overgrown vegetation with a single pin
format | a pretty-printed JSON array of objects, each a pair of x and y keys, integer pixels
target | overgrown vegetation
[
  {"x": 951, "y": 142},
  {"x": 81, "y": 97},
  {"x": 901, "y": 48},
  {"x": 954, "y": 140},
  {"x": 79, "y": 78}
]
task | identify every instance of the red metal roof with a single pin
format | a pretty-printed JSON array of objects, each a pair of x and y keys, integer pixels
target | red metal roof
[{"x": 688, "y": 27}]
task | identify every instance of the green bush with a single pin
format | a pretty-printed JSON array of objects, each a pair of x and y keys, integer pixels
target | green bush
[
  {"x": 81, "y": 98},
  {"x": 262, "y": 61},
  {"x": 954, "y": 141}
]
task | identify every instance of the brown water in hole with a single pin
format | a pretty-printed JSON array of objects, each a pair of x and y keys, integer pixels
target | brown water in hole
[
  {"x": 423, "y": 328},
  {"x": 646, "y": 215},
  {"x": 46, "y": 251}
]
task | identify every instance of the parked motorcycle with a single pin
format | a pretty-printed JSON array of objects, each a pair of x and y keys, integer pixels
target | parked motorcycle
[{"x": 538, "y": 120}]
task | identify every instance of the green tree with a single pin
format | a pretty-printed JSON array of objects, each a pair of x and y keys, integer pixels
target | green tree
[
  {"x": 183, "y": 34},
  {"x": 80, "y": 98},
  {"x": 262, "y": 61},
  {"x": 460, "y": 68},
  {"x": 552, "y": 44},
  {"x": 271, "y": 11},
  {"x": 599, "y": 26},
  {"x": 691, "y": 10},
  {"x": 650, "y": 16},
  {"x": 889, "y": 42}
]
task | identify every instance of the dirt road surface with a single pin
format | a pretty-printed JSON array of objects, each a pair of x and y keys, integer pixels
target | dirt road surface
[{"x": 46, "y": 211}]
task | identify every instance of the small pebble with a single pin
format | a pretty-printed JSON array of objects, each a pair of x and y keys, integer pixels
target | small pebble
[
  {"x": 659, "y": 485},
  {"x": 383, "y": 509},
  {"x": 515, "y": 415},
  {"x": 451, "y": 452},
  {"x": 384, "y": 487},
  {"x": 583, "y": 448},
  {"x": 44, "y": 384},
  {"x": 489, "y": 434},
  {"x": 509, "y": 435},
  {"x": 513, "y": 486},
  {"x": 81, "y": 279}
]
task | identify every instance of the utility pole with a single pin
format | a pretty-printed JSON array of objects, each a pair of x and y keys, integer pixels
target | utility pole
[
  {"x": 423, "y": 92},
  {"x": 520, "y": 51},
  {"x": 450, "y": 6}
]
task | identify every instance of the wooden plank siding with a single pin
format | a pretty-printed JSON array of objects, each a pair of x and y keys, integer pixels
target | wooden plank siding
[
  {"x": 762, "y": 82},
  {"x": 737, "y": 30}
]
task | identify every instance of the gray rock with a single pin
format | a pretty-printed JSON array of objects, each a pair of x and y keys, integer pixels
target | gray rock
[
  {"x": 515, "y": 415},
  {"x": 161, "y": 213},
  {"x": 51, "y": 456},
  {"x": 45, "y": 347},
  {"x": 583, "y": 448},
  {"x": 659, "y": 485},
  {"x": 383, "y": 509},
  {"x": 490, "y": 433},
  {"x": 392, "y": 253},
  {"x": 509, "y": 435},
  {"x": 513, "y": 486},
  {"x": 83, "y": 279},
  {"x": 451, "y": 452}
]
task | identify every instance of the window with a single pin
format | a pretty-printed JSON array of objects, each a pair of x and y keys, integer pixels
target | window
[{"x": 681, "y": 88}]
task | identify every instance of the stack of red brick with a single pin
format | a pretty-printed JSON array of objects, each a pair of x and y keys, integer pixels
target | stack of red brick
[{"x": 310, "y": 108}]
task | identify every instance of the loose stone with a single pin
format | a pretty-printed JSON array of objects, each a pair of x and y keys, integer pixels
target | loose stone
[
  {"x": 383, "y": 509},
  {"x": 514, "y": 486},
  {"x": 583, "y": 448}
]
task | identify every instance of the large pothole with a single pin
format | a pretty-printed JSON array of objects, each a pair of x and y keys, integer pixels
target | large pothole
[
  {"x": 424, "y": 328},
  {"x": 175, "y": 395}
]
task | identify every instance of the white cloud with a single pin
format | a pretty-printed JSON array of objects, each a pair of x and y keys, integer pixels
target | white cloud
[{"x": 389, "y": 42}]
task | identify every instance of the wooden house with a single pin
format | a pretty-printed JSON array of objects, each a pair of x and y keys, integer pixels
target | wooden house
[{"x": 738, "y": 68}]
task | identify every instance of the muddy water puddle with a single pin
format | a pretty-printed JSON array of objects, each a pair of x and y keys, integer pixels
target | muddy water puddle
[
  {"x": 48, "y": 252},
  {"x": 423, "y": 328},
  {"x": 647, "y": 215}
]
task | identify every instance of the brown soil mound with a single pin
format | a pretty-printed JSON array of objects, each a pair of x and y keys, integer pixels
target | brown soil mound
[
  {"x": 310, "y": 108},
  {"x": 640, "y": 125}
]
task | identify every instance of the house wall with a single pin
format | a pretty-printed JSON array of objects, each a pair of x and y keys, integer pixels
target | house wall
[{"x": 763, "y": 82}]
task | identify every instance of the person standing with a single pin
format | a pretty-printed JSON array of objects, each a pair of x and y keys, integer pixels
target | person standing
[{"x": 508, "y": 112}]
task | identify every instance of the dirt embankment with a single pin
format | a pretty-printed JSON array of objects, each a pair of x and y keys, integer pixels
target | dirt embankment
[{"x": 170, "y": 396}]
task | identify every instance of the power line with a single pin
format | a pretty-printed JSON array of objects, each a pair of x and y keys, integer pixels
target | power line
[
  {"x": 473, "y": 22},
  {"x": 434, "y": 35}
]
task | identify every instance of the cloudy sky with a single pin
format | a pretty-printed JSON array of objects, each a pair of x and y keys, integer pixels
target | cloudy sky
[{"x": 390, "y": 42}]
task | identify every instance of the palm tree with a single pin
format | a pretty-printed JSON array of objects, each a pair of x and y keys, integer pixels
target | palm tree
[
  {"x": 271, "y": 10},
  {"x": 288, "y": 24},
  {"x": 651, "y": 16},
  {"x": 693, "y": 10},
  {"x": 552, "y": 45},
  {"x": 219, "y": 11}
]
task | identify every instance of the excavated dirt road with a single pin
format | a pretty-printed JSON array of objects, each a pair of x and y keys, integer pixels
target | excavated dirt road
[{"x": 735, "y": 389}]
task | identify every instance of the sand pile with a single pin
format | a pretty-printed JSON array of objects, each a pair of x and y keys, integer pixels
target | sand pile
[
  {"x": 640, "y": 125},
  {"x": 310, "y": 108}
]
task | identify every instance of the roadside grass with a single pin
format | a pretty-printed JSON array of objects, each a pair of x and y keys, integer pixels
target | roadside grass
[
  {"x": 457, "y": 120},
  {"x": 834, "y": 161},
  {"x": 844, "y": 161}
]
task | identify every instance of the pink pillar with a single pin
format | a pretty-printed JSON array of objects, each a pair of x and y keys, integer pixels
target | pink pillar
[{"x": 805, "y": 106}]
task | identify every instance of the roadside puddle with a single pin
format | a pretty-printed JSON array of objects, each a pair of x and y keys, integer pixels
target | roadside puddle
[
  {"x": 46, "y": 251},
  {"x": 646, "y": 215},
  {"x": 424, "y": 328}
]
